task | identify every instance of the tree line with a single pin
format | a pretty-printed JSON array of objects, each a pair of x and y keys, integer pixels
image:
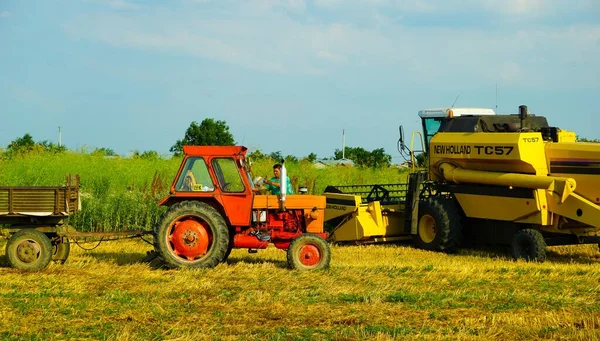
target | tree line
[{"x": 211, "y": 132}]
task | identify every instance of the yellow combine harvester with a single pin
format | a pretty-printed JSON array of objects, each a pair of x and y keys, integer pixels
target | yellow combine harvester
[{"x": 499, "y": 179}]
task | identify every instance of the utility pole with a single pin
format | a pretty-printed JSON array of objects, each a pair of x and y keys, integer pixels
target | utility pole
[
  {"x": 343, "y": 144},
  {"x": 59, "y": 136}
]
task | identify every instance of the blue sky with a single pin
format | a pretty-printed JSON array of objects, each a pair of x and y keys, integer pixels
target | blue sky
[{"x": 288, "y": 75}]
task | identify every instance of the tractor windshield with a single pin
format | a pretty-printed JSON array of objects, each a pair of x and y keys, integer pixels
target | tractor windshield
[
  {"x": 228, "y": 175},
  {"x": 195, "y": 177}
]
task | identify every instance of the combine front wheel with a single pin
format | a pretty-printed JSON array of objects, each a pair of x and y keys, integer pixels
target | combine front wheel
[
  {"x": 529, "y": 244},
  {"x": 308, "y": 252},
  {"x": 29, "y": 249},
  {"x": 191, "y": 234},
  {"x": 439, "y": 225}
]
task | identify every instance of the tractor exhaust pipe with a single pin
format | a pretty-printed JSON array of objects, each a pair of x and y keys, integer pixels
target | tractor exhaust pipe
[{"x": 283, "y": 186}]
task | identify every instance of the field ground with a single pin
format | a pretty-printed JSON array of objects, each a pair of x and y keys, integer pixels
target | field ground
[{"x": 370, "y": 292}]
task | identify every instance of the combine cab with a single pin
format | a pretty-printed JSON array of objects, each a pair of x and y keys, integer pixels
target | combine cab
[{"x": 500, "y": 179}]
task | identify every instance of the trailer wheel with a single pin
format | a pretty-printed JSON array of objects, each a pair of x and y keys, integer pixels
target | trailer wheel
[
  {"x": 308, "y": 252},
  {"x": 29, "y": 250},
  {"x": 60, "y": 251},
  {"x": 439, "y": 226},
  {"x": 529, "y": 244},
  {"x": 191, "y": 234}
]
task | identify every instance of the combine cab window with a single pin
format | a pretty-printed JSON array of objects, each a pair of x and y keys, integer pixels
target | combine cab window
[
  {"x": 228, "y": 175},
  {"x": 195, "y": 177},
  {"x": 431, "y": 126}
]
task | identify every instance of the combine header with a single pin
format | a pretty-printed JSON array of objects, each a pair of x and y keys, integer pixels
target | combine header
[{"x": 499, "y": 179}]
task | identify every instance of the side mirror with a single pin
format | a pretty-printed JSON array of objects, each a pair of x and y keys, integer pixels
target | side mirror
[{"x": 401, "y": 130}]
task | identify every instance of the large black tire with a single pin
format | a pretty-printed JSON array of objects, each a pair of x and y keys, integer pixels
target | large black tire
[
  {"x": 439, "y": 225},
  {"x": 29, "y": 250},
  {"x": 229, "y": 247},
  {"x": 191, "y": 234},
  {"x": 60, "y": 251},
  {"x": 308, "y": 252},
  {"x": 528, "y": 244}
]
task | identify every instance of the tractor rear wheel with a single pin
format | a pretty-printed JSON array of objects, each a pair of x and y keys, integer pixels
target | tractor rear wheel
[
  {"x": 60, "y": 251},
  {"x": 191, "y": 234},
  {"x": 29, "y": 249},
  {"x": 529, "y": 244},
  {"x": 308, "y": 252},
  {"x": 439, "y": 227}
]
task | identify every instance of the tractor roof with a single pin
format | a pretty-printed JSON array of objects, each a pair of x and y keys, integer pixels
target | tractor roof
[
  {"x": 455, "y": 112},
  {"x": 214, "y": 150}
]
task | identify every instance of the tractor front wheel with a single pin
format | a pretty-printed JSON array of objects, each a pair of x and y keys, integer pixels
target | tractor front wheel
[
  {"x": 191, "y": 234},
  {"x": 29, "y": 250},
  {"x": 308, "y": 252},
  {"x": 439, "y": 227},
  {"x": 529, "y": 244}
]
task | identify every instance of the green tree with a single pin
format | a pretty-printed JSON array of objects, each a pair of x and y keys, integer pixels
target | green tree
[
  {"x": 26, "y": 144},
  {"x": 51, "y": 147},
  {"x": 583, "y": 139},
  {"x": 104, "y": 151},
  {"x": 208, "y": 133},
  {"x": 291, "y": 158},
  {"x": 312, "y": 157},
  {"x": 364, "y": 158},
  {"x": 146, "y": 155},
  {"x": 21, "y": 145},
  {"x": 276, "y": 156},
  {"x": 257, "y": 155}
]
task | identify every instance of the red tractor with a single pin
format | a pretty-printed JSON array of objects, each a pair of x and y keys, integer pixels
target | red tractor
[{"x": 215, "y": 206}]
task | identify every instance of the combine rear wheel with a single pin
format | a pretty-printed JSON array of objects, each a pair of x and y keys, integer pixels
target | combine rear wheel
[
  {"x": 29, "y": 249},
  {"x": 529, "y": 244},
  {"x": 191, "y": 234},
  {"x": 60, "y": 251},
  {"x": 308, "y": 252},
  {"x": 439, "y": 226}
]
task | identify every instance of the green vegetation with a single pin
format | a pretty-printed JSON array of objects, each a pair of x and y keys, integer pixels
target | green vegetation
[{"x": 123, "y": 193}]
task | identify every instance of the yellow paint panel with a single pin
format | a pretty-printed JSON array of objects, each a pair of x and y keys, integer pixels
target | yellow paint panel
[{"x": 498, "y": 208}]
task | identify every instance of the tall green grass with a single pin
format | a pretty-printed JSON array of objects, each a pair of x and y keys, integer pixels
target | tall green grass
[{"x": 123, "y": 193}]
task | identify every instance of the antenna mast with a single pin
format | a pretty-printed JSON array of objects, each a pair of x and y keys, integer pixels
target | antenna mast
[
  {"x": 455, "y": 100},
  {"x": 496, "y": 97}
]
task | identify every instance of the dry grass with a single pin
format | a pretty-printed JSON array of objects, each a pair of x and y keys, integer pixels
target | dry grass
[{"x": 370, "y": 292}]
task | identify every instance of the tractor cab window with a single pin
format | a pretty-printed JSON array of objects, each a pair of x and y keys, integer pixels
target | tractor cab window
[
  {"x": 249, "y": 176},
  {"x": 195, "y": 177},
  {"x": 228, "y": 175},
  {"x": 430, "y": 127}
]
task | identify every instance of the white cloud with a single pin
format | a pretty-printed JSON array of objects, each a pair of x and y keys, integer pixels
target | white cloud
[
  {"x": 332, "y": 57},
  {"x": 5, "y": 14},
  {"x": 116, "y": 4},
  {"x": 328, "y": 3},
  {"x": 121, "y": 4},
  {"x": 272, "y": 42}
]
